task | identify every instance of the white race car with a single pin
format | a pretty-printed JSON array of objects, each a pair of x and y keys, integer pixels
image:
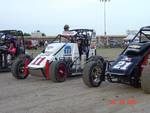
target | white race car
[{"x": 59, "y": 59}]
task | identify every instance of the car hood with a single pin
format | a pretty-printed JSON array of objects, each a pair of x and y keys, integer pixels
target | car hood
[{"x": 49, "y": 55}]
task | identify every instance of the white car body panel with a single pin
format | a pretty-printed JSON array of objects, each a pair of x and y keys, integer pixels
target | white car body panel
[{"x": 55, "y": 51}]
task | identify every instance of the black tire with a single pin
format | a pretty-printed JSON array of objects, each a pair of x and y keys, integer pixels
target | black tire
[
  {"x": 58, "y": 71},
  {"x": 89, "y": 70},
  {"x": 135, "y": 77},
  {"x": 18, "y": 67},
  {"x": 96, "y": 59},
  {"x": 145, "y": 79}
]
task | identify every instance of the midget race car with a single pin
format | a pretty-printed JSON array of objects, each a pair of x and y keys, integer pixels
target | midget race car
[
  {"x": 6, "y": 38},
  {"x": 128, "y": 66},
  {"x": 59, "y": 59}
]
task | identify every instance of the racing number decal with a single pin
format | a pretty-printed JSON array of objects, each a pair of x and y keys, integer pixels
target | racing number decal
[
  {"x": 126, "y": 65},
  {"x": 122, "y": 65},
  {"x": 38, "y": 61}
]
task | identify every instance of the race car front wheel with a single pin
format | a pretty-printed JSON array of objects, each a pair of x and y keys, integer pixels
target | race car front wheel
[
  {"x": 135, "y": 78},
  {"x": 58, "y": 71},
  {"x": 19, "y": 67},
  {"x": 92, "y": 74},
  {"x": 145, "y": 79}
]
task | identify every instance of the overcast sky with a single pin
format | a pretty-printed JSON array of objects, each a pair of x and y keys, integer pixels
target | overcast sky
[{"x": 49, "y": 16}]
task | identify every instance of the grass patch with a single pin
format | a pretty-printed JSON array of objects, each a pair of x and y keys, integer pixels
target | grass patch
[{"x": 110, "y": 53}]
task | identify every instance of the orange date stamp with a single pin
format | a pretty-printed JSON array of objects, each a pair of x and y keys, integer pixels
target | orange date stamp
[{"x": 124, "y": 102}]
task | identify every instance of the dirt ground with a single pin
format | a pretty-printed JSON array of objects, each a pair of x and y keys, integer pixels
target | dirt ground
[{"x": 36, "y": 95}]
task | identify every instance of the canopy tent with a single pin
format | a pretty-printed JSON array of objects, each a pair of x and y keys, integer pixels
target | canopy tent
[{"x": 130, "y": 37}]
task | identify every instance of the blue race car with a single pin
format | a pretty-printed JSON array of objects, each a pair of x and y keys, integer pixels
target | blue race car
[{"x": 128, "y": 66}]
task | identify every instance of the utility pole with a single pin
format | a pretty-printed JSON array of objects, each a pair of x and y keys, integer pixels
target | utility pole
[{"x": 105, "y": 25}]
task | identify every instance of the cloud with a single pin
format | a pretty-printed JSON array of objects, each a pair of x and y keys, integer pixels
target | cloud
[{"x": 65, "y": 4}]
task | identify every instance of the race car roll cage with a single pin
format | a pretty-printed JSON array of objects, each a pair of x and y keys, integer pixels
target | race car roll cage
[
  {"x": 14, "y": 33},
  {"x": 141, "y": 32},
  {"x": 6, "y": 40},
  {"x": 81, "y": 34}
]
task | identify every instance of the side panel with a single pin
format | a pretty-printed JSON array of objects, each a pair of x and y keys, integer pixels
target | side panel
[{"x": 124, "y": 65}]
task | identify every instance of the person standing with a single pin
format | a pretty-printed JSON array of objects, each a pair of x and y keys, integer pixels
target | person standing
[
  {"x": 66, "y": 30},
  {"x": 45, "y": 43},
  {"x": 66, "y": 34},
  {"x": 12, "y": 49}
]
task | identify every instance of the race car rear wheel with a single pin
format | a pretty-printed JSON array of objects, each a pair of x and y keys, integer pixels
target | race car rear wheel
[
  {"x": 58, "y": 71},
  {"x": 19, "y": 67},
  {"x": 145, "y": 79},
  {"x": 92, "y": 74}
]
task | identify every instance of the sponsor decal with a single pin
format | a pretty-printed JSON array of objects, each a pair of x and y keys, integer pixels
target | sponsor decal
[
  {"x": 135, "y": 46},
  {"x": 67, "y": 50}
]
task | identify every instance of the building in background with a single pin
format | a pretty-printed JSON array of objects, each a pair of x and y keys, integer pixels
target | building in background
[
  {"x": 36, "y": 34},
  {"x": 130, "y": 35}
]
